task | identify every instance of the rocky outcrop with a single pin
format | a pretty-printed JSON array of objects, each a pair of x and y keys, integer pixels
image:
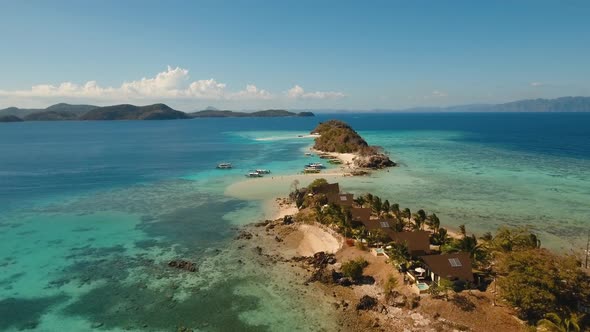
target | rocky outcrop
[
  {"x": 183, "y": 265},
  {"x": 374, "y": 161},
  {"x": 366, "y": 303}
]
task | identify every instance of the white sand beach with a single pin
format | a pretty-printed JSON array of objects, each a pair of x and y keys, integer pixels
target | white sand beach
[{"x": 316, "y": 239}]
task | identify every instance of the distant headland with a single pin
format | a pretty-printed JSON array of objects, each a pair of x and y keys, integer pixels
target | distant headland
[{"x": 68, "y": 112}]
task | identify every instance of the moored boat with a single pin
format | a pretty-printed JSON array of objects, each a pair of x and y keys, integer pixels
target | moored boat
[
  {"x": 263, "y": 171},
  {"x": 224, "y": 165},
  {"x": 315, "y": 165},
  {"x": 254, "y": 175}
]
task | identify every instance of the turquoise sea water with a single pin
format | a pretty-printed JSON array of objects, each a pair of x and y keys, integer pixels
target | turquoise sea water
[{"x": 90, "y": 212}]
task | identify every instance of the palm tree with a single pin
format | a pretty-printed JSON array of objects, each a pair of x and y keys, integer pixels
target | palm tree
[
  {"x": 376, "y": 204},
  {"x": 441, "y": 237},
  {"x": 422, "y": 215},
  {"x": 360, "y": 201},
  {"x": 386, "y": 206},
  {"x": 462, "y": 230},
  {"x": 487, "y": 237},
  {"x": 395, "y": 209},
  {"x": 407, "y": 214},
  {"x": 433, "y": 222},
  {"x": 553, "y": 323},
  {"x": 369, "y": 198}
]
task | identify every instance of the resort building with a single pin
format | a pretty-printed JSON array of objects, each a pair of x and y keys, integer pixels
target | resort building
[
  {"x": 454, "y": 267},
  {"x": 362, "y": 215},
  {"x": 340, "y": 199},
  {"x": 418, "y": 242},
  {"x": 376, "y": 224}
]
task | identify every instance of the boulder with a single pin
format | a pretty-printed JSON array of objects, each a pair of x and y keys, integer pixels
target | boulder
[
  {"x": 287, "y": 220},
  {"x": 366, "y": 303},
  {"x": 374, "y": 161}
]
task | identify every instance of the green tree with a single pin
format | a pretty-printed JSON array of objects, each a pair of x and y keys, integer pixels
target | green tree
[
  {"x": 462, "y": 230},
  {"x": 512, "y": 239},
  {"x": 369, "y": 198},
  {"x": 399, "y": 253},
  {"x": 377, "y": 236},
  {"x": 537, "y": 282},
  {"x": 445, "y": 286},
  {"x": 390, "y": 285},
  {"x": 317, "y": 183},
  {"x": 421, "y": 215},
  {"x": 440, "y": 238},
  {"x": 386, "y": 207},
  {"x": 360, "y": 201},
  {"x": 376, "y": 204},
  {"x": 395, "y": 209},
  {"x": 553, "y": 323},
  {"x": 354, "y": 268},
  {"x": 433, "y": 222},
  {"x": 407, "y": 213}
]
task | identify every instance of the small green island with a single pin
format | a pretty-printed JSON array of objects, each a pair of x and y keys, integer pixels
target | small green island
[{"x": 335, "y": 136}]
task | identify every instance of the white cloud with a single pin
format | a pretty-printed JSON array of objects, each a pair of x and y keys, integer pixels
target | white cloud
[
  {"x": 537, "y": 84},
  {"x": 297, "y": 92},
  {"x": 436, "y": 94},
  {"x": 252, "y": 92},
  {"x": 172, "y": 83}
]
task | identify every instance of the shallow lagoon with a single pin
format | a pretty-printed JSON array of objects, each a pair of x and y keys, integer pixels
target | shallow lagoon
[{"x": 91, "y": 212}]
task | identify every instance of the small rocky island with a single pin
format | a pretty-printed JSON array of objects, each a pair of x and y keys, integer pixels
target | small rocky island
[{"x": 338, "y": 137}]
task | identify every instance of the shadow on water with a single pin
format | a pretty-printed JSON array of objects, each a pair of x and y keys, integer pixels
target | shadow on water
[
  {"x": 134, "y": 306},
  {"x": 24, "y": 314},
  {"x": 194, "y": 227}
]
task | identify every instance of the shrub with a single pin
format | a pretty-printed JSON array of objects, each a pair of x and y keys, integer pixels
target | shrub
[
  {"x": 354, "y": 268},
  {"x": 390, "y": 285}
]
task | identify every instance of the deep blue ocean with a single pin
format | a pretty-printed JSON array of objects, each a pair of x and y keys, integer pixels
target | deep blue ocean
[{"x": 84, "y": 195}]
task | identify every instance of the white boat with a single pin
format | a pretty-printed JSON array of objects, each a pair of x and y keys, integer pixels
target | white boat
[
  {"x": 224, "y": 165},
  {"x": 315, "y": 165},
  {"x": 263, "y": 171},
  {"x": 254, "y": 175},
  {"x": 308, "y": 154}
]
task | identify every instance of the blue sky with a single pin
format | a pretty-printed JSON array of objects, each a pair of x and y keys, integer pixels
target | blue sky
[{"x": 304, "y": 54}]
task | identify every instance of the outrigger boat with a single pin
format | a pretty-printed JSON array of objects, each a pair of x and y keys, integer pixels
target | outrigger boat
[
  {"x": 254, "y": 175},
  {"x": 311, "y": 170},
  {"x": 335, "y": 161},
  {"x": 263, "y": 171},
  {"x": 224, "y": 165},
  {"x": 315, "y": 165}
]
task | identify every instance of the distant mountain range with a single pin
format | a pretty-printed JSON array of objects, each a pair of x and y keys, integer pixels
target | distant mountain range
[
  {"x": 257, "y": 114},
  {"x": 563, "y": 104},
  {"x": 61, "y": 112}
]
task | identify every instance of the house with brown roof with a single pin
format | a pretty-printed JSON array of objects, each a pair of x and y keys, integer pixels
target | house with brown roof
[
  {"x": 340, "y": 199},
  {"x": 418, "y": 242},
  {"x": 362, "y": 215},
  {"x": 454, "y": 267},
  {"x": 327, "y": 188}
]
